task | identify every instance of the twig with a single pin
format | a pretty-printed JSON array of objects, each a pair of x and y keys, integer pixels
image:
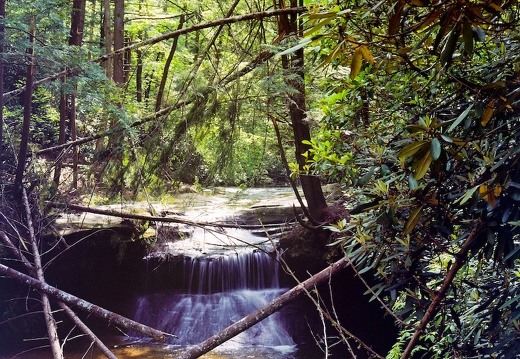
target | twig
[{"x": 85, "y": 329}]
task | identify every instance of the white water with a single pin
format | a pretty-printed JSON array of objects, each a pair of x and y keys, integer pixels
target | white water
[{"x": 215, "y": 293}]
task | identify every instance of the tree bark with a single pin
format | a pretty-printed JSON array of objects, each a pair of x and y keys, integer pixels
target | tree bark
[
  {"x": 77, "y": 28},
  {"x": 2, "y": 49},
  {"x": 119, "y": 42},
  {"x": 162, "y": 85},
  {"x": 27, "y": 110},
  {"x": 50, "y": 322},
  {"x": 262, "y": 313},
  {"x": 85, "y": 329},
  {"x": 84, "y": 305},
  {"x": 294, "y": 64},
  {"x": 62, "y": 134}
]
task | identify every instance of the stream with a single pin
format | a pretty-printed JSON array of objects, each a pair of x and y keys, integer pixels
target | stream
[{"x": 208, "y": 278}]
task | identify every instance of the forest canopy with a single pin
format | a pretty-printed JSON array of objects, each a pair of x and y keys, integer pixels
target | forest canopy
[{"x": 412, "y": 106}]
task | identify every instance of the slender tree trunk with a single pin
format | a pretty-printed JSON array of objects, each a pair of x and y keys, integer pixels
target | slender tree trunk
[
  {"x": 119, "y": 42},
  {"x": 27, "y": 109},
  {"x": 77, "y": 29},
  {"x": 2, "y": 49},
  {"x": 107, "y": 31},
  {"x": 62, "y": 135},
  {"x": 162, "y": 85},
  {"x": 106, "y": 34},
  {"x": 294, "y": 64},
  {"x": 68, "y": 101},
  {"x": 139, "y": 77}
]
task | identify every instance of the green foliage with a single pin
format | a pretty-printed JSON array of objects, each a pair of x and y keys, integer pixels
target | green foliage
[{"x": 430, "y": 128}]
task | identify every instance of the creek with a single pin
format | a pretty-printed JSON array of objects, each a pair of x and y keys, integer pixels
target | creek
[{"x": 201, "y": 280}]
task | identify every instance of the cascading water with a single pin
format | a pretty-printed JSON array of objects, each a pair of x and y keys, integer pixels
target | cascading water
[{"x": 208, "y": 294}]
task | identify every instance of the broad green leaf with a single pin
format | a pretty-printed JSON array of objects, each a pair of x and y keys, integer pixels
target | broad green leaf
[
  {"x": 355, "y": 66},
  {"x": 367, "y": 55},
  {"x": 318, "y": 26},
  {"x": 488, "y": 113},
  {"x": 422, "y": 166},
  {"x": 323, "y": 15},
  {"x": 412, "y": 221},
  {"x": 467, "y": 33},
  {"x": 435, "y": 149},
  {"x": 467, "y": 195},
  {"x": 449, "y": 47},
  {"x": 479, "y": 33},
  {"x": 461, "y": 118},
  {"x": 412, "y": 183},
  {"x": 301, "y": 44},
  {"x": 411, "y": 149}
]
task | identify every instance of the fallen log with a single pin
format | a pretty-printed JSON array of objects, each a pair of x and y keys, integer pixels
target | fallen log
[
  {"x": 107, "y": 212},
  {"x": 262, "y": 313},
  {"x": 84, "y": 305}
]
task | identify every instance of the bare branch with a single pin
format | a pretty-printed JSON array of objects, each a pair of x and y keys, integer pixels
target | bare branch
[
  {"x": 87, "y": 331},
  {"x": 432, "y": 308},
  {"x": 84, "y": 305},
  {"x": 262, "y": 313},
  {"x": 105, "y": 212},
  {"x": 230, "y": 20}
]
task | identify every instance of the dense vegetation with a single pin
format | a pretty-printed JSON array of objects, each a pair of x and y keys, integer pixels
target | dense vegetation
[{"x": 413, "y": 108}]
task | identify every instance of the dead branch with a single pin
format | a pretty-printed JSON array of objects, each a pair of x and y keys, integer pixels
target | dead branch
[
  {"x": 432, "y": 308},
  {"x": 85, "y": 329},
  {"x": 18, "y": 91},
  {"x": 106, "y": 212},
  {"x": 50, "y": 322},
  {"x": 84, "y": 305},
  {"x": 262, "y": 313},
  {"x": 230, "y": 20},
  {"x": 335, "y": 323}
]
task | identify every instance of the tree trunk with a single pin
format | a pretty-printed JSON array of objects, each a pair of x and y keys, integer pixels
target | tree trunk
[
  {"x": 119, "y": 42},
  {"x": 139, "y": 76},
  {"x": 62, "y": 135},
  {"x": 2, "y": 49},
  {"x": 27, "y": 109},
  {"x": 294, "y": 64},
  {"x": 77, "y": 28},
  {"x": 262, "y": 313},
  {"x": 68, "y": 101},
  {"x": 162, "y": 85}
]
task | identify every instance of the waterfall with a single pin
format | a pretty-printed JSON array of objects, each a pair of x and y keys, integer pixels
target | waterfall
[{"x": 202, "y": 295}]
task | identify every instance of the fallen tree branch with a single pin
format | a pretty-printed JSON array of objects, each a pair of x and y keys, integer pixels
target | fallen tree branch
[
  {"x": 85, "y": 329},
  {"x": 50, "y": 322},
  {"x": 84, "y": 305},
  {"x": 262, "y": 313},
  {"x": 230, "y": 20},
  {"x": 107, "y": 212}
]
